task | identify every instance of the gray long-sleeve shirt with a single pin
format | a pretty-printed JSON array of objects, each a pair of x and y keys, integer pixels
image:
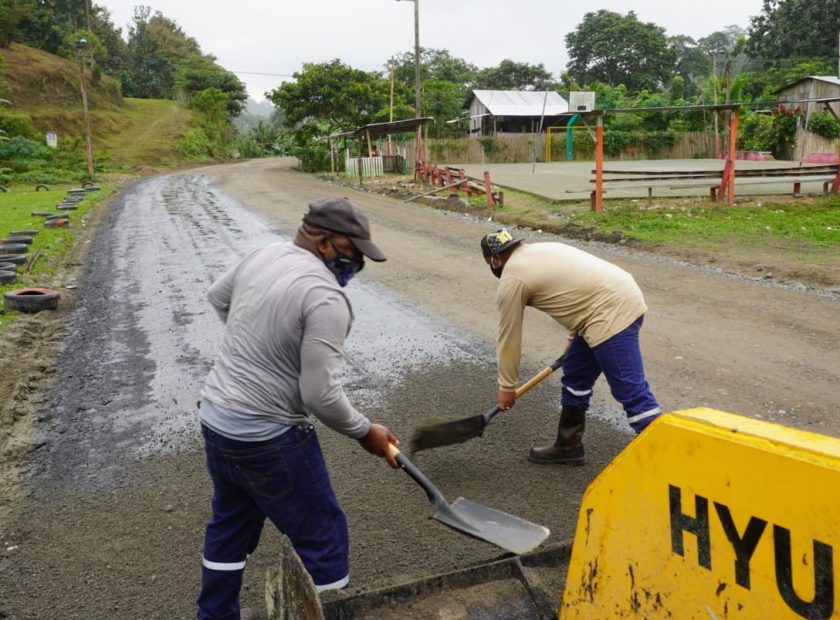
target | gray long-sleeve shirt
[{"x": 281, "y": 359}]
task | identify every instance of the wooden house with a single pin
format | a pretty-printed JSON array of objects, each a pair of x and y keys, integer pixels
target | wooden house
[
  {"x": 813, "y": 87},
  {"x": 514, "y": 111}
]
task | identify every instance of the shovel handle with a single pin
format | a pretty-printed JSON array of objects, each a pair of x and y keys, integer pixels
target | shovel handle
[
  {"x": 435, "y": 496},
  {"x": 528, "y": 385}
]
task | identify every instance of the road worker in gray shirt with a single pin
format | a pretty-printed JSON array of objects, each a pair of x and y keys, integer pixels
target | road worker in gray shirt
[{"x": 286, "y": 318}]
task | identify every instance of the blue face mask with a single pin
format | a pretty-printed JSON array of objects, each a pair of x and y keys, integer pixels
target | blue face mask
[{"x": 343, "y": 267}]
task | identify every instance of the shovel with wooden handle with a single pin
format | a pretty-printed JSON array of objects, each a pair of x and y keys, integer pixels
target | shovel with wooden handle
[
  {"x": 437, "y": 432},
  {"x": 499, "y": 528}
]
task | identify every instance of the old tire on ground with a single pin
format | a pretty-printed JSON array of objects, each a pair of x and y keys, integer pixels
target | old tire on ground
[
  {"x": 31, "y": 299},
  {"x": 59, "y": 222},
  {"x": 4, "y": 266},
  {"x": 67, "y": 207},
  {"x": 26, "y": 239},
  {"x": 14, "y": 248},
  {"x": 15, "y": 259},
  {"x": 41, "y": 213},
  {"x": 41, "y": 186},
  {"x": 7, "y": 277},
  {"x": 26, "y": 232}
]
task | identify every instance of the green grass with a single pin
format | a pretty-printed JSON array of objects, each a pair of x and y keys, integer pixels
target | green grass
[
  {"x": 815, "y": 223},
  {"x": 54, "y": 244},
  {"x": 143, "y": 134}
]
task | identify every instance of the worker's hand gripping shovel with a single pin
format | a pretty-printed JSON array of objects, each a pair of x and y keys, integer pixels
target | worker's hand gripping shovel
[
  {"x": 437, "y": 432},
  {"x": 499, "y": 528}
]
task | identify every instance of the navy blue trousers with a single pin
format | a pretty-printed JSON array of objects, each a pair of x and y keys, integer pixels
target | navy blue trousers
[
  {"x": 285, "y": 480},
  {"x": 620, "y": 359}
]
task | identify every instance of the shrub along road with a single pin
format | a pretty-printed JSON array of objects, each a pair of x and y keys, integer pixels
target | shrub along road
[{"x": 110, "y": 521}]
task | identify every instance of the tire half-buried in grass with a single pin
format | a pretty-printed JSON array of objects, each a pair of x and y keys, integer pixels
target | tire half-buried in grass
[
  {"x": 8, "y": 277},
  {"x": 31, "y": 299},
  {"x": 17, "y": 259},
  {"x": 14, "y": 248}
]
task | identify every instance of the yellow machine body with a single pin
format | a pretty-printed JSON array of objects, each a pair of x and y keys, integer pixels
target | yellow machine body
[{"x": 710, "y": 515}]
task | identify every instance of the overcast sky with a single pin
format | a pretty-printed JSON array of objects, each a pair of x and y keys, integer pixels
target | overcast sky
[{"x": 278, "y": 37}]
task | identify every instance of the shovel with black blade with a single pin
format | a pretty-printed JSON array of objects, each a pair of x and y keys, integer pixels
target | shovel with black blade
[
  {"x": 499, "y": 528},
  {"x": 435, "y": 433}
]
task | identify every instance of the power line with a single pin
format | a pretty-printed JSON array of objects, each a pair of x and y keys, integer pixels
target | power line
[{"x": 260, "y": 73}]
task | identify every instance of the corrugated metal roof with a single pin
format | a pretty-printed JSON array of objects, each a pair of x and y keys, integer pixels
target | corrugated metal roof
[
  {"x": 522, "y": 102},
  {"x": 820, "y": 78}
]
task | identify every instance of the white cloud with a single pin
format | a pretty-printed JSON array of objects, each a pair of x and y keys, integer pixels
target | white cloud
[{"x": 278, "y": 37}]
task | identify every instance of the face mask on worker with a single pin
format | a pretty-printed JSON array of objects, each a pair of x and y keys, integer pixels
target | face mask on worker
[
  {"x": 343, "y": 267},
  {"x": 497, "y": 271}
]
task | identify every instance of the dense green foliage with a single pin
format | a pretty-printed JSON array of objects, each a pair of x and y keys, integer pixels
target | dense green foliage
[
  {"x": 795, "y": 29},
  {"x": 824, "y": 124},
  {"x": 619, "y": 49}
]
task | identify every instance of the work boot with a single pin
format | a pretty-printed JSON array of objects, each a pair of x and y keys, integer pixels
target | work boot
[{"x": 568, "y": 447}]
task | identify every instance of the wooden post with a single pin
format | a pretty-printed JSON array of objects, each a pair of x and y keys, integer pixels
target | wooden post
[
  {"x": 598, "y": 202},
  {"x": 488, "y": 191},
  {"x": 290, "y": 593},
  {"x": 733, "y": 143}
]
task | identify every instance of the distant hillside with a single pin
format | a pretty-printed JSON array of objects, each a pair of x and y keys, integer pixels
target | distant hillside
[{"x": 130, "y": 133}]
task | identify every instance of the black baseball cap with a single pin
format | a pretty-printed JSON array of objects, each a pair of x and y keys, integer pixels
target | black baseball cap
[{"x": 339, "y": 215}]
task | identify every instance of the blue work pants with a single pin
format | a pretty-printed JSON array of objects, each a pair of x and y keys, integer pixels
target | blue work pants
[
  {"x": 620, "y": 359},
  {"x": 285, "y": 480}
]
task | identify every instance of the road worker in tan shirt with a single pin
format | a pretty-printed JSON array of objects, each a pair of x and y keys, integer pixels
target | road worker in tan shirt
[{"x": 600, "y": 305}]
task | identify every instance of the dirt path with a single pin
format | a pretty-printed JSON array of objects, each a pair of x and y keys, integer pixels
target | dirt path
[{"x": 111, "y": 519}]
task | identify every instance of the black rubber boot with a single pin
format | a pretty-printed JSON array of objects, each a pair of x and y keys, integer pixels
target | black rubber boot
[{"x": 568, "y": 447}]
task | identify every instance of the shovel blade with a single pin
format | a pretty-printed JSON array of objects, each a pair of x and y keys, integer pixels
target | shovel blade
[
  {"x": 494, "y": 526},
  {"x": 437, "y": 433}
]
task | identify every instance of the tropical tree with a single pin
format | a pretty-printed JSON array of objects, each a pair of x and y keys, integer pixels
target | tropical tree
[
  {"x": 510, "y": 75},
  {"x": 198, "y": 73},
  {"x": 795, "y": 30},
  {"x": 332, "y": 94},
  {"x": 435, "y": 64},
  {"x": 619, "y": 49},
  {"x": 156, "y": 46},
  {"x": 12, "y": 13}
]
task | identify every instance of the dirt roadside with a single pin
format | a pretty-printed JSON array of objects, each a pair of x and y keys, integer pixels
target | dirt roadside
[{"x": 711, "y": 338}]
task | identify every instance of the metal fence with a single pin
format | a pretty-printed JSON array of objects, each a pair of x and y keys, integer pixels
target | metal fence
[{"x": 367, "y": 167}]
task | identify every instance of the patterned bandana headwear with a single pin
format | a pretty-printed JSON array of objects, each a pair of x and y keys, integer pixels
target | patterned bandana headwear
[{"x": 497, "y": 242}]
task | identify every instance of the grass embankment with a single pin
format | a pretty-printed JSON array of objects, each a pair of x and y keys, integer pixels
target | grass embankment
[
  {"x": 145, "y": 135},
  {"x": 52, "y": 245}
]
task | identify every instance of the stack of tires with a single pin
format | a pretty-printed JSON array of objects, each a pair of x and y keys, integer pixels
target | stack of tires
[{"x": 13, "y": 254}]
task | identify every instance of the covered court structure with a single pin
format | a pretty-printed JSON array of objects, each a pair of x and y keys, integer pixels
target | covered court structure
[{"x": 713, "y": 177}]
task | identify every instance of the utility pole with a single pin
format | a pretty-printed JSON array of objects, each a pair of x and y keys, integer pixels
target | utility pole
[
  {"x": 391, "y": 104},
  {"x": 80, "y": 48},
  {"x": 715, "y": 100},
  {"x": 417, "y": 111}
]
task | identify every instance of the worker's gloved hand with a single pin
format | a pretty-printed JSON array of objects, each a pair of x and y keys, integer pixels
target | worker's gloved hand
[
  {"x": 505, "y": 400},
  {"x": 376, "y": 442}
]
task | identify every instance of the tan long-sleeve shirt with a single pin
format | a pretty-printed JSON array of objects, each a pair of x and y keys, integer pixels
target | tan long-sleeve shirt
[{"x": 585, "y": 294}]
